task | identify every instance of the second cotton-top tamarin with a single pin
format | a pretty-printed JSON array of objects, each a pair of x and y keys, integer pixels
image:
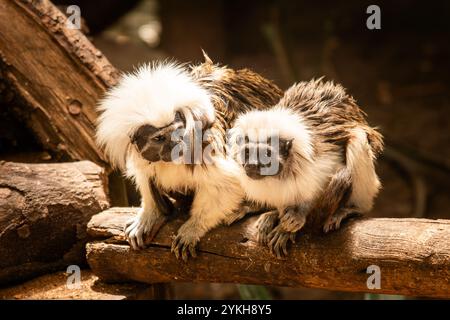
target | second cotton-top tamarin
[{"x": 312, "y": 152}]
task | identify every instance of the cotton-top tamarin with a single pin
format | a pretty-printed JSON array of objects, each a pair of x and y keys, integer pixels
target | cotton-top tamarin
[
  {"x": 151, "y": 126},
  {"x": 312, "y": 152}
]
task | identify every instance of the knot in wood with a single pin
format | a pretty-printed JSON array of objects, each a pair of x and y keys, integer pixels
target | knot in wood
[{"x": 74, "y": 107}]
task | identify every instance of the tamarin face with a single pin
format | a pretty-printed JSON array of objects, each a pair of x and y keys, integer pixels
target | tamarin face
[
  {"x": 156, "y": 143},
  {"x": 271, "y": 143},
  {"x": 146, "y": 109},
  {"x": 264, "y": 157}
]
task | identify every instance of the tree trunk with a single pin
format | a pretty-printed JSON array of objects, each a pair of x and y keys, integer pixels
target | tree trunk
[
  {"x": 51, "y": 77},
  {"x": 413, "y": 256},
  {"x": 44, "y": 209},
  {"x": 56, "y": 75}
]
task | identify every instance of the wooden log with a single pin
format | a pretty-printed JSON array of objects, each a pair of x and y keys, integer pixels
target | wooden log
[
  {"x": 413, "y": 256},
  {"x": 56, "y": 74},
  {"x": 44, "y": 210},
  {"x": 55, "y": 77}
]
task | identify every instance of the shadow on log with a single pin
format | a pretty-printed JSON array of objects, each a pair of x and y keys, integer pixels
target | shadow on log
[
  {"x": 44, "y": 209},
  {"x": 413, "y": 256}
]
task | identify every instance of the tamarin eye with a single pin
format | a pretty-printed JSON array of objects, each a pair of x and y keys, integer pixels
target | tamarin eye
[{"x": 159, "y": 138}]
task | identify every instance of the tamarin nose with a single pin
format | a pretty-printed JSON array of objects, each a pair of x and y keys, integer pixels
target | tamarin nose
[{"x": 253, "y": 171}]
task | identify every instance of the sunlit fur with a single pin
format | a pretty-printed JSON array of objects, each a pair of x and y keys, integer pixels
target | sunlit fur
[
  {"x": 152, "y": 95},
  {"x": 303, "y": 115}
]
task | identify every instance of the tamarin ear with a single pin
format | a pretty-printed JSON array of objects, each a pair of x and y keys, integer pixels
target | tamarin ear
[
  {"x": 286, "y": 146},
  {"x": 207, "y": 58}
]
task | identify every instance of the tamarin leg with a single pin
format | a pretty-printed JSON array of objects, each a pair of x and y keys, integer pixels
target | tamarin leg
[
  {"x": 149, "y": 219},
  {"x": 334, "y": 221},
  {"x": 245, "y": 208},
  {"x": 205, "y": 214},
  {"x": 333, "y": 206}
]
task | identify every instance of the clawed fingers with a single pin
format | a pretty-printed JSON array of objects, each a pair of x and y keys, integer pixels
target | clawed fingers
[
  {"x": 332, "y": 224},
  {"x": 278, "y": 240},
  {"x": 261, "y": 237},
  {"x": 183, "y": 248},
  {"x": 264, "y": 226},
  {"x": 158, "y": 223},
  {"x": 139, "y": 229},
  {"x": 291, "y": 222},
  {"x": 175, "y": 247},
  {"x": 292, "y": 237},
  {"x": 128, "y": 224}
]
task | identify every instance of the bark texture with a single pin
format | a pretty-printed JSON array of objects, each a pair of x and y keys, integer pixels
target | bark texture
[
  {"x": 44, "y": 210},
  {"x": 55, "y": 77},
  {"x": 413, "y": 256}
]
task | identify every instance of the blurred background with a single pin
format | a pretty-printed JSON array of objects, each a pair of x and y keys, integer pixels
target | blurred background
[{"x": 399, "y": 75}]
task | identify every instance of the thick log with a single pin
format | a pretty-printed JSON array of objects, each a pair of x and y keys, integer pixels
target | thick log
[
  {"x": 44, "y": 210},
  {"x": 56, "y": 75},
  {"x": 413, "y": 256}
]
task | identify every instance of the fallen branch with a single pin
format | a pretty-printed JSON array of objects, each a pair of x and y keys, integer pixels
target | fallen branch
[
  {"x": 55, "y": 77},
  {"x": 44, "y": 209},
  {"x": 413, "y": 256}
]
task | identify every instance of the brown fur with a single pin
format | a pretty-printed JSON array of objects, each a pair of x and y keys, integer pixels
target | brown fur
[
  {"x": 331, "y": 113},
  {"x": 233, "y": 92}
]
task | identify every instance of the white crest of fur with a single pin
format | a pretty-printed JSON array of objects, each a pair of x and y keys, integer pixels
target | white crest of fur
[{"x": 150, "y": 95}]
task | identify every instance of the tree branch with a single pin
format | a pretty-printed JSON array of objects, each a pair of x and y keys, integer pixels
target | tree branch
[
  {"x": 413, "y": 255},
  {"x": 57, "y": 76}
]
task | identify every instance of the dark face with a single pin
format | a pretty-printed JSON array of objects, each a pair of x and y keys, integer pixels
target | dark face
[
  {"x": 265, "y": 158},
  {"x": 156, "y": 144}
]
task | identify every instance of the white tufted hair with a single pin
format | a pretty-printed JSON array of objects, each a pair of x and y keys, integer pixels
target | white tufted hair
[{"x": 150, "y": 95}]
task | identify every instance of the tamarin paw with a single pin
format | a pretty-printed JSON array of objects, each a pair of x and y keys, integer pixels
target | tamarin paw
[
  {"x": 264, "y": 225},
  {"x": 293, "y": 218},
  {"x": 143, "y": 228},
  {"x": 183, "y": 246},
  {"x": 278, "y": 240}
]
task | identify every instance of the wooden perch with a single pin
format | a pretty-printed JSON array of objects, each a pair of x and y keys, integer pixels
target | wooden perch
[
  {"x": 56, "y": 77},
  {"x": 413, "y": 256},
  {"x": 44, "y": 209}
]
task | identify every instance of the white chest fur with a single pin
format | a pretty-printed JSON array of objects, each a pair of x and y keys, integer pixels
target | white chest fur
[
  {"x": 175, "y": 177},
  {"x": 306, "y": 186}
]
